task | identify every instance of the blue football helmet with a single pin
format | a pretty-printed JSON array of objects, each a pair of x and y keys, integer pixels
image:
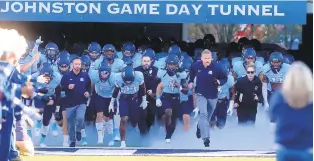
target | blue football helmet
[
  {"x": 94, "y": 50},
  {"x": 214, "y": 56},
  {"x": 151, "y": 54},
  {"x": 64, "y": 53},
  {"x": 127, "y": 61},
  {"x": 172, "y": 64},
  {"x": 108, "y": 52},
  {"x": 249, "y": 55},
  {"x": 276, "y": 60},
  {"x": 51, "y": 51},
  {"x": 225, "y": 64},
  {"x": 225, "y": 60},
  {"x": 128, "y": 49},
  {"x": 104, "y": 71},
  {"x": 186, "y": 64},
  {"x": 225, "y": 67},
  {"x": 63, "y": 63},
  {"x": 46, "y": 70},
  {"x": 198, "y": 53},
  {"x": 128, "y": 75},
  {"x": 175, "y": 50},
  {"x": 85, "y": 63}
]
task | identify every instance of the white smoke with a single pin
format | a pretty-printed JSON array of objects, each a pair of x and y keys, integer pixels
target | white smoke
[
  {"x": 231, "y": 137},
  {"x": 11, "y": 41}
]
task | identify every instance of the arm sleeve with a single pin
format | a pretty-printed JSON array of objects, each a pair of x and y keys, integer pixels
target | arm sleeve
[
  {"x": 264, "y": 92},
  {"x": 58, "y": 95},
  {"x": 237, "y": 87},
  {"x": 192, "y": 72},
  {"x": 222, "y": 77},
  {"x": 115, "y": 92},
  {"x": 230, "y": 81},
  {"x": 259, "y": 92},
  {"x": 88, "y": 85},
  {"x": 56, "y": 80},
  {"x": 64, "y": 83},
  {"x": 142, "y": 90},
  {"x": 274, "y": 106},
  {"x": 184, "y": 85}
]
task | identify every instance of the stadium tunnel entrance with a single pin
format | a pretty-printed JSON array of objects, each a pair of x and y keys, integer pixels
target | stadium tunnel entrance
[{"x": 65, "y": 34}]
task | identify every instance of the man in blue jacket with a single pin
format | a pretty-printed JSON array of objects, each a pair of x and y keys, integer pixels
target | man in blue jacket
[
  {"x": 209, "y": 75},
  {"x": 77, "y": 87}
]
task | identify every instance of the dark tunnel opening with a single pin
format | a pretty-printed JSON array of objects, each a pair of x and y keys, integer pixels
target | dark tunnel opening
[{"x": 67, "y": 33}]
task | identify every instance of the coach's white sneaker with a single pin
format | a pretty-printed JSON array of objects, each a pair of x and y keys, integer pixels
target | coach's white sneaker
[
  {"x": 42, "y": 145},
  {"x": 123, "y": 144},
  {"x": 111, "y": 143},
  {"x": 168, "y": 140},
  {"x": 65, "y": 144}
]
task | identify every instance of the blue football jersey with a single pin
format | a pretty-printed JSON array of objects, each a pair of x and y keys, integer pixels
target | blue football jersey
[
  {"x": 131, "y": 88},
  {"x": 223, "y": 91},
  {"x": 171, "y": 84},
  {"x": 51, "y": 86},
  {"x": 239, "y": 69},
  {"x": 103, "y": 88},
  {"x": 275, "y": 76},
  {"x": 116, "y": 67}
]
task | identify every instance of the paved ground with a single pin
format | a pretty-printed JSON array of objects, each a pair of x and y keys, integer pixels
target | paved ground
[
  {"x": 139, "y": 158},
  {"x": 231, "y": 137},
  {"x": 233, "y": 143},
  {"x": 103, "y": 151}
]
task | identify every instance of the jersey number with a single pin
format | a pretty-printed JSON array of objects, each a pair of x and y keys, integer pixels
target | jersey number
[{"x": 172, "y": 85}]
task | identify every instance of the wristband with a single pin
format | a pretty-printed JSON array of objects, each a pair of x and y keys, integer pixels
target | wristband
[{"x": 158, "y": 96}]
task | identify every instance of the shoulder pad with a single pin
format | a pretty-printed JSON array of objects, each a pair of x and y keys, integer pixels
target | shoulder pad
[
  {"x": 182, "y": 75},
  {"x": 266, "y": 68},
  {"x": 237, "y": 63}
]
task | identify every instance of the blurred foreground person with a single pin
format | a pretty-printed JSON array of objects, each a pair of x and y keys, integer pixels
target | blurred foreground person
[
  {"x": 23, "y": 141},
  {"x": 13, "y": 84},
  {"x": 291, "y": 109}
]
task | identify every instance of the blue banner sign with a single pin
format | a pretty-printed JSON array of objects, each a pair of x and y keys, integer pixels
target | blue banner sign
[{"x": 154, "y": 11}]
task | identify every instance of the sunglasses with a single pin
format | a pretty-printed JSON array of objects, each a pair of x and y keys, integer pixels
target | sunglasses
[
  {"x": 250, "y": 72},
  {"x": 104, "y": 73}
]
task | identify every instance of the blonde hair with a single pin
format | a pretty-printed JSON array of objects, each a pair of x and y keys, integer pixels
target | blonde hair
[
  {"x": 297, "y": 87},
  {"x": 250, "y": 65},
  {"x": 12, "y": 42},
  {"x": 206, "y": 51}
]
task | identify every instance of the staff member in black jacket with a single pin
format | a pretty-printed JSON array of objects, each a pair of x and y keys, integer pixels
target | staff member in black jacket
[
  {"x": 147, "y": 116},
  {"x": 248, "y": 94},
  {"x": 77, "y": 87}
]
